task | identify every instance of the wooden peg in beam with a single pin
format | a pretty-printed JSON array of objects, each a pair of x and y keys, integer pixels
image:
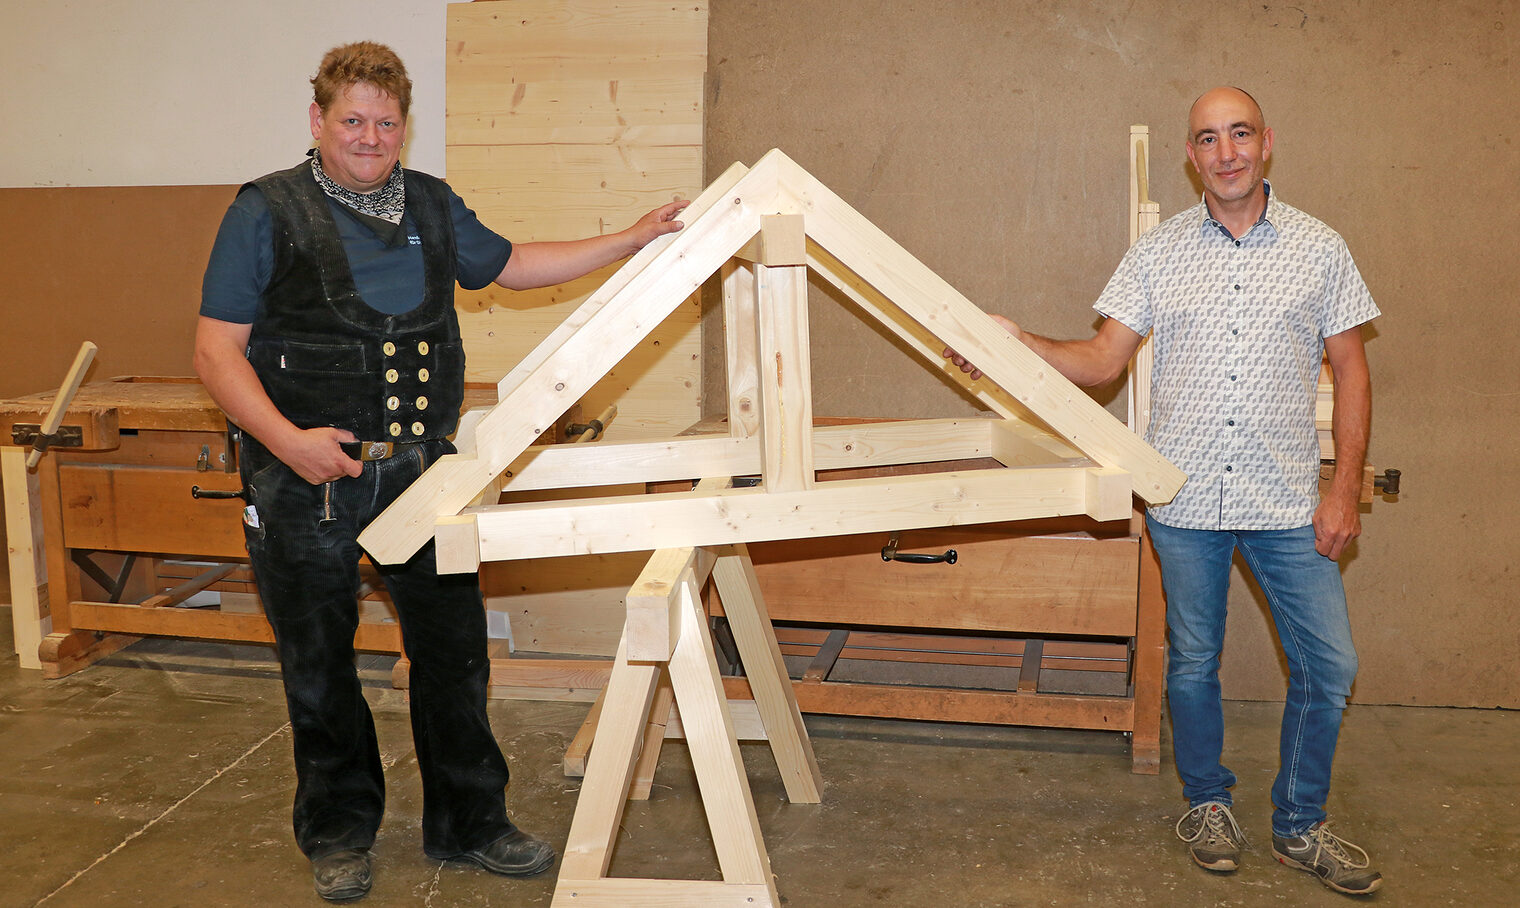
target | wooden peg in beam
[{"x": 71, "y": 383}]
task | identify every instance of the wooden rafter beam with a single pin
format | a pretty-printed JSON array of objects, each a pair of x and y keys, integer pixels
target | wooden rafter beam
[
  {"x": 572, "y": 359},
  {"x": 671, "y": 520},
  {"x": 932, "y": 303}
]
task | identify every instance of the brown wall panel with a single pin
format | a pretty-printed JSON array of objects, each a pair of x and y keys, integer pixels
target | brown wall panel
[{"x": 120, "y": 266}]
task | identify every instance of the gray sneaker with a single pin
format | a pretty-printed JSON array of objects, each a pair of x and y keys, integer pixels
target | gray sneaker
[
  {"x": 1339, "y": 864},
  {"x": 1214, "y": 838}
]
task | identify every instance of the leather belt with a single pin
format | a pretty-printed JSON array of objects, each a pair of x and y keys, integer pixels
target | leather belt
[{"x": 367, "y": 451}]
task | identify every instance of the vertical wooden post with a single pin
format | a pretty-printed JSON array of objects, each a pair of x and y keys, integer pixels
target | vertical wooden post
[
  {"x": 30, "y": 616},
  {"x": 1150, "y": 605},
  {"x": 1149, "y": 663},
  {"x": 1144, "y": 214},
  {"x": 741, "y": 339},
  {"x": 785, "y": 368}
]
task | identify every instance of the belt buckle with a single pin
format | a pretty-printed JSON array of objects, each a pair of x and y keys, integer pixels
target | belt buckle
[{"x": 375, "y": 450}]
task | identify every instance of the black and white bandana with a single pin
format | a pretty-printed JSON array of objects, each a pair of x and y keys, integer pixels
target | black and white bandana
[{"x": 386, "y": 203}]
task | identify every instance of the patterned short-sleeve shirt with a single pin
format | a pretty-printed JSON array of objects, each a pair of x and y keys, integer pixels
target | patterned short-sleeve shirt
[{"x": 1238, "y": 326}]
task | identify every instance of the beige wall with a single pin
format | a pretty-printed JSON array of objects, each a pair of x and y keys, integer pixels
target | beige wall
[
  {"x": 989, "y": 139},
  {"x": 176, "y": 92}
]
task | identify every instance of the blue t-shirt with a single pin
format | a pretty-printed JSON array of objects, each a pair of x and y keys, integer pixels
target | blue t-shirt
[{"x": 389, "y": 277}]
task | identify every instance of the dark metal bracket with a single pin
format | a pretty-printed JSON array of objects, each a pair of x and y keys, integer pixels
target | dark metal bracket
[
  {"x": 114, "y": 586},
  {"x": 577, "y": 429},
  {"x": 889, "y": 552},
  {"x": 29, "y": 435},
  {"x": 198, "y": 492}
]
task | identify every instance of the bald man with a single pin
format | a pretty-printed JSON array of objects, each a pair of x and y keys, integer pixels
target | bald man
[{"x": 1243, "y": 295}]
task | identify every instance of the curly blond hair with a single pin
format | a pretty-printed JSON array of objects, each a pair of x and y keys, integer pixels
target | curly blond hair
[{"x": 362, "y": 61}]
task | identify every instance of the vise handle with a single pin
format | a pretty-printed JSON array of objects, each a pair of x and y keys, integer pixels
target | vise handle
[{"x": 49, "y": 431}]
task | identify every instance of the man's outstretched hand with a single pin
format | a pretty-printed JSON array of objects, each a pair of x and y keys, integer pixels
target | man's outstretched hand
[{"x": 966, "y": 366}]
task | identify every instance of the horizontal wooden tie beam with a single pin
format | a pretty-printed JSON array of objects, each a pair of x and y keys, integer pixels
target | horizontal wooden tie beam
[{"x": 671, "y": 520}]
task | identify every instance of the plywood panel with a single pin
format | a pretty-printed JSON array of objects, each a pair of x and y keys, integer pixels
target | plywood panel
[
  {"x": 571, "y": 118},
  {"x": 609, "y": 112}
]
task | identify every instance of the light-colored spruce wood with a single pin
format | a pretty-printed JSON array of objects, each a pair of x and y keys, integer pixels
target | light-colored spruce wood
[
  {"x": 655, "y": 733},
  {"x": 786, "y": 378},
  {"x": 668, "y": 520},
  {"x": 574, "y": 762},
  {"x": 609, "y": 771},
  {"x": 532, "y": 400},
  {"x": 929, "y": 301},
  {"x": 1144, "y": 214},
  {"x": 737, "y": 586},
  {"x": 654, "y": 622},
  {"x": 1016, "y": 443},
  {"x": 458, "y": 540},
  {"x": 629, "y": 893},
  {"x": 571, "y": 118},
  {"x": 740, "y": 338},
  {"x": 654, "y": 616},
  {"x": 775, "y": 185},
  {"x": 71, "y": 382},
  {"x": 616, "y": 463},
  {"x": 782, "y": 240},
  {"x": 748, "y": 726},
  {"x": 30, "y": 621},
  {"x": 568, "y": 34},
  {"x": 714, "y": 746},
  {"x": 632, "y": 719},
  {"x": 835, "y": 447},
  {"x": 653, "y": 602}
]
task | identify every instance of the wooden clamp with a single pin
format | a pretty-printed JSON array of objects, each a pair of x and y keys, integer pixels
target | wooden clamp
[{"x": 71, "y": 383}]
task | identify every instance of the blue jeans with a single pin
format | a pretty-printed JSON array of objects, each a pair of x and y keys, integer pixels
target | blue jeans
[
  {"x": 1308, "y": 602},
  {"x": 306, "y": 559}
]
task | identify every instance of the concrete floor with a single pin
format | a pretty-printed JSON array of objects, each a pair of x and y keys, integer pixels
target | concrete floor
[{"x": 162, "y": 778}]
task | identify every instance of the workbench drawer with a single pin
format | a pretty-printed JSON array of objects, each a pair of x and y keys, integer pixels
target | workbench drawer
[
  {"x": 140, "y": 508},
  {"x": 1004, "y": 580}
]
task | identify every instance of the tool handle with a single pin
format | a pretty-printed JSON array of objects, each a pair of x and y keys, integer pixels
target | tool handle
[{"x": 60, "y": 407}]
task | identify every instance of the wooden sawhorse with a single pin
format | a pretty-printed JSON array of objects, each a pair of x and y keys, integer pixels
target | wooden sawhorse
[{"x": 667, "y": 653}]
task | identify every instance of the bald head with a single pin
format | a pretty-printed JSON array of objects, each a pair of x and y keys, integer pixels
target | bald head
[
  {"x": 1229, "y": 146},
  {"x": 1238, "y": 98}
]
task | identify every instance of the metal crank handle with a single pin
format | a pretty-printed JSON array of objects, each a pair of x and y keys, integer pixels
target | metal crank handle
[
  {"x": 889, "y": 552},
  {"x": 198, "y": 492}
]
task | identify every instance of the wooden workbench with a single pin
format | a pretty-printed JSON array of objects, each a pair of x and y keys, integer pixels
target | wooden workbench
[{"x": 110, "y": 542}]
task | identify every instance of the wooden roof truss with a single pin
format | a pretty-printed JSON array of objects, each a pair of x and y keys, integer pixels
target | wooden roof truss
[{"x": 764, "y": 228}]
